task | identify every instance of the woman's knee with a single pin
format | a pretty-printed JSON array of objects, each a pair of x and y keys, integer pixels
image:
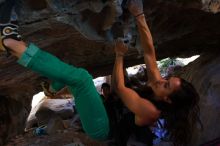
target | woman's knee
[{"x": 84, "y": 75}]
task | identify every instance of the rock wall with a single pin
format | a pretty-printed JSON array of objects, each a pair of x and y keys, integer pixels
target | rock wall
[
  {"x": 12, "y": 118},
  {"x": 204, "y": 73}
]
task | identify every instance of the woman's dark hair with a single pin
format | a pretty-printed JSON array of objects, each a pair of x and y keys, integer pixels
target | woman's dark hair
[
  {"x": 182, "y": 114},
  {"x": 105, "y": 85}
]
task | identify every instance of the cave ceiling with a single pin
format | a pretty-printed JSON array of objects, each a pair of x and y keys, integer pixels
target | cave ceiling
[{"x": 73, "y": 31}]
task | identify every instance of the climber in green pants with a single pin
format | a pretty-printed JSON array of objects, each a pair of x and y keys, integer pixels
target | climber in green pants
[{"x": 88, "y": 102}]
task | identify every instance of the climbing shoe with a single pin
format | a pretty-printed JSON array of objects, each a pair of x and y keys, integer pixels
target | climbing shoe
[{"x": 8, "y": 30}]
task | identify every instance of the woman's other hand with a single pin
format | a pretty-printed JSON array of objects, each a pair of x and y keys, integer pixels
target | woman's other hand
[
  {"x": 135, "y": 7},
  {"x": 120, "y": 47}
]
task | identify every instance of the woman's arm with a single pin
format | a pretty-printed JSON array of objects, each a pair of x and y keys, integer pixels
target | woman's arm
[
  {"x": 136, "y": 8},
  {"x": 145, "y": 112}
]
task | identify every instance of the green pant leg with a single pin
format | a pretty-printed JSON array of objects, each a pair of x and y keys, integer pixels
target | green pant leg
[
  {"x": 50, "y": 66},
  {"x": 92, "y": 111},
  {"x": 88, "y": 102}
]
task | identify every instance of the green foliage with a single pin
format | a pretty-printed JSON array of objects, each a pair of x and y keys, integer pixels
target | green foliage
[{"x": 166, "y": 63}]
